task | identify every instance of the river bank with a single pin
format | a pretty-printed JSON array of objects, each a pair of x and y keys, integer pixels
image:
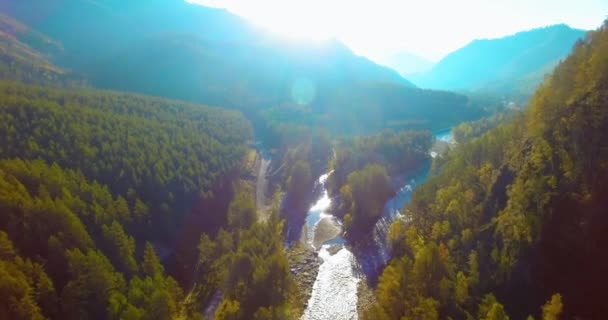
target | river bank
[
  {"x": 346, "y": 276},
  {"x": 304, "y": 266}
]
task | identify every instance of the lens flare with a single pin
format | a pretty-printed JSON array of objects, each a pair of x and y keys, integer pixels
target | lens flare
[{"x": 303, "y": 91}]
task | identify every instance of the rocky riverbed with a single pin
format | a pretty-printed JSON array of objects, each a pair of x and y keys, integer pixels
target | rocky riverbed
[{"x": 304, "y": 266}]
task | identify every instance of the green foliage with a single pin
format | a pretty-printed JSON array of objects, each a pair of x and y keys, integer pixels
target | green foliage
[
  {"x": 249, "y": 266},
  {"x": 505, "y": 212},
  {"x": 151, "y": 266},
  {"x": 399, "y": 152},
  {"x": 259, "y": 275},
  {"x": 360, "y": 173},
  {"x": 306, "y": 155},
  {"x": 121, "y": 246},
  {"x": 426, "y": 310},
  {"x": 364, "y": 195},
  {"x": 496, "y": 312},
  {"x": 303, "y": 160},
  {"x": 7, "y": 251},
  {"x": 228, "y": 310},
  {"x": 150, "y": 298},
  {"x": 242, "y": 211},
  {"x": 469, "y": 130},
  {"x": 150, "y": 160},
  {"x": 491, "y": 309},
  {"x": 167, "y": 153},
  {"x": 299, "y": 179},
  {"x": 92, "y": 282},
  {"x": 24, "y": 286},
  {"x": 553, "y": 308},
  {"x": 58, "y": 218}
]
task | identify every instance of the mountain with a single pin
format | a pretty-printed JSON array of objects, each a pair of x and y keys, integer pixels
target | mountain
[
  {"x": 512, "y": 65},
  {"x": 514, "y": 222},
  {"x": 407, "y": 63},
  {"x": 94, "y": 31},
  {"x": 189, "y": 52},
  {"x": 20, "y": 53}
]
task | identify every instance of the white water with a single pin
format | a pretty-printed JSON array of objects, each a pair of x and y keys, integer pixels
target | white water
[
  {"x": 319, "y": 210},
  {"x": 334, "y": 293},
  {"x": 445, "y": 136}
]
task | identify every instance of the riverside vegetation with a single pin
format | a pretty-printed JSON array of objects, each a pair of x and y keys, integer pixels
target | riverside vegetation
[{"x": 117, "y": 205}]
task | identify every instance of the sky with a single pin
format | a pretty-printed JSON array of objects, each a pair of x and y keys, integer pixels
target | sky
[{"x": 427, "y": 28}]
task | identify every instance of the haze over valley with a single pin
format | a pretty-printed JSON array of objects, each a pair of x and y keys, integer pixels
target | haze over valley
[{"x": 227, "y": 160}]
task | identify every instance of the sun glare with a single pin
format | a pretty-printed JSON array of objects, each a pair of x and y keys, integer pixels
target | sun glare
[
  {"x": 380, "y": 27},
  {"x": 299, "y": 20},
  {"x": 296, "y": 20}
]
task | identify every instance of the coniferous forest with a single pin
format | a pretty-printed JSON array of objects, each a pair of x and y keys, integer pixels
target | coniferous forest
[
  {"x": 514, "y": 219},
  {"x": 163, "y": 161}
]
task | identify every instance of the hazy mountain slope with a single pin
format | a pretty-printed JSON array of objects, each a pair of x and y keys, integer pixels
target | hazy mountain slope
[
  {"x": 175, "y": 49},
  {"x": 94, "y": 30},
  {"x": 498, "y": 64},
  {"x": 242, "y": 75},
  {"x": 20, "y": 57},
  {"x": 91, "y": 29}
]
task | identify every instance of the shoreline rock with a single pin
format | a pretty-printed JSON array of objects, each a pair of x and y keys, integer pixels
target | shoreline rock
[
  {"x": 304, "y": 265},
  {"x": 326, "y": 230}
]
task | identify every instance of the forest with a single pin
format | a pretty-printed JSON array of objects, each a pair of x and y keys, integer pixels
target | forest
[
  {"x": 66, "y": 254},
  {"x": 118, "y": 205},
  {"x": 362, "y": 171},
  {"x": 91, "y": 180},
  {"x": 514, "y": 219},
  {"x": 165, "y": 153}
]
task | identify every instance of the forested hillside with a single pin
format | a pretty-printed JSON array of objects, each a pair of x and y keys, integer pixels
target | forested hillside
[
  {"x": 516, "y": 217},
  {"x": 21, "y": 54},
  {"x": 66, "y": 254},
  {"x": 118, "y": 205},
  {"x": 178, "y": 50},
  {"x": 107, "y": 194},
  {"x": 89, "y": 180},
  {"x": 168, "y": 153}
]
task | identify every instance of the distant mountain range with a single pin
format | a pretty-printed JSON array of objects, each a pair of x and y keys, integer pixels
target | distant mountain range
[
  {"x": 92, "y": 32},
  {"x": 184, "y": 51},
  {"x": 406, "y": 63},
  {"x": 513, "y": 65}
]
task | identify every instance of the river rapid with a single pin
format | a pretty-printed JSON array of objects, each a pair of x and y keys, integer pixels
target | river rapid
[{"x": 334, "y": 294}]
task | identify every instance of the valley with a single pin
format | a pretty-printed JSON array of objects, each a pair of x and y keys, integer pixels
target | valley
[{"x": 173, "y": 160}]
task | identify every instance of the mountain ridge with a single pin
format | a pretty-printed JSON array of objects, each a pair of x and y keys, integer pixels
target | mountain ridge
[
  {"x": 498, "y": 64},
  {"x": 205, "y": 55}
]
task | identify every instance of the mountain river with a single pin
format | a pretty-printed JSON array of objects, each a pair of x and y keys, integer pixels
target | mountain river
[{"x": 334, "y": 292}]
